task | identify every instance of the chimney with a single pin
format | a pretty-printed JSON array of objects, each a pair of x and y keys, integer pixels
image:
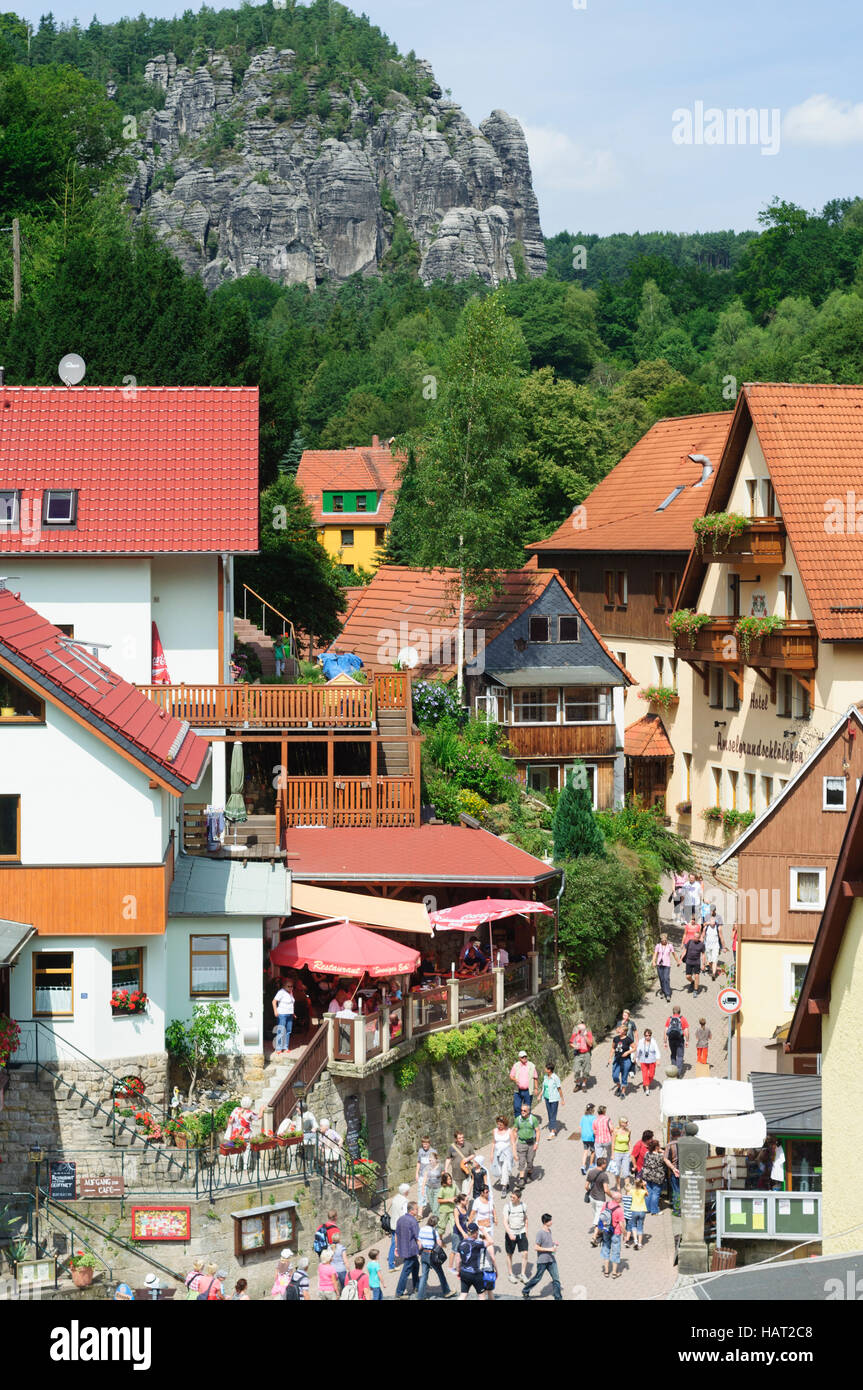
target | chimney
[
  {"x": 706, "y": 467},
  {"x": 376, "y": 443},
  {"x": 2, "y": 376}
]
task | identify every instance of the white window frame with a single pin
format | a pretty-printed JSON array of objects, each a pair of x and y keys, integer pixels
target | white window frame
[
  {"x": 824, "y": 805},
  {"x": 788, "y": 963},
  {"x": 588, "y": 767},
  {"x": 490, "y": 696},
  {"x": 541, "y": 767},
  {"x": 47, "y": 498},
  {"x": 573, "y": 617},
  {"x": 603, "y": 692},
  {"x": 534, "y": 723},
  {"x": 793, "y": 904}
]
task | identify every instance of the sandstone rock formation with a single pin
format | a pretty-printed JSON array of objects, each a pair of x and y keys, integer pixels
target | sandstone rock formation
[{"x": 233, "y": 182}]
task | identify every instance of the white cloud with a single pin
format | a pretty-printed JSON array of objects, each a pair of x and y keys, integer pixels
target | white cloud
[
  {"x": 824, "y": 120},
  {"x": 559, "y": 162}
]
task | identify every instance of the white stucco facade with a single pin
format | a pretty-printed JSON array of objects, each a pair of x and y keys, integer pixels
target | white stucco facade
[{"x": 246, "y": 967}]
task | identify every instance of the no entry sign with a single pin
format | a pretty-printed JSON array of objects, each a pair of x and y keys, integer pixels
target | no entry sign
[{"x": 730, "y": 1000}]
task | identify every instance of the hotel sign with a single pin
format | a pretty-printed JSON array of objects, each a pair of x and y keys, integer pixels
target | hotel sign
[{"x": 780, "y": 750}]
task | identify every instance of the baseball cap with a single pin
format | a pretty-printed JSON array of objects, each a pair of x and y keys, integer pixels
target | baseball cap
[
  {"x": 522, "y": 1053},
  {"x": 472, "y": 1227}
]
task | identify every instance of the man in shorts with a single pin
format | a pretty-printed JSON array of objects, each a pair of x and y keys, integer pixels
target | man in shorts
[
  {"x": 526, "y": 1134},
  {"x": 458, "y": 1158},
  {"x": 598, "y": 1185},
  {"x": 474, "y": 1255},
  {"x": 713, "y": 942},
  {"x": 581, "y": 1043},
  {"x": 515, "y": 1234}
]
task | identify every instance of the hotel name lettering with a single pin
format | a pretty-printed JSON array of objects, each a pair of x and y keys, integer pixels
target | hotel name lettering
[{"x": 780, "y": 750}]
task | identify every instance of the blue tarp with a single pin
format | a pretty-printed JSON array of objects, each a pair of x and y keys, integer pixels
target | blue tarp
[{"x": 344, "y": 665}]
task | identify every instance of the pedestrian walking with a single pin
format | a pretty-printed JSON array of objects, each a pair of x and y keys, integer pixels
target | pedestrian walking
[
  {"x": 654, "y": 1172},
  {"x": 432, "y": 1257},
  {"x": 356, "y": 1285},
  {"x": 611, "y": 1224},
  {"x": 638, "y": 1191},
  {"x": 597, "y": 1185},
  {"x": 424, "y": 1158},
  {"x": 339, "y": 1261},
  {"x": 639, "y": 1151},
  {"x": 546, "y": 1260},
  {"x": 693, "y": 897},
  {"x": 279, "y": 656},
  {"x": 458, "y": 1157},
  {"x": 602, "y": 1135},
  {"x": 626, "y": 1203},
  {"x": 515, "y": 1234},
  {"x": 526, "y": 1139},
  {"x": 621, "y": 1141},
  {"x": 676, "y": 896},
  {"x": 646, "y": 1057},
  {"x": 713, "y": 942},
  {"x": 503, "y": 1153},
  {"x": 693, "y": 931},
  {"x": 620, "y": 1060},
  {"x": 474, "y": 1259},
  {"x": 552, "y": 1094},
  {"x": 446, "y": 1203},
  {"x": 482, "y": 1212},
  {"x": 398, "y": 1207},
  {"x": 434, "y": 1174},
  {"x": 582, "y": 1045},
  {"x": 628, "y": 1022},
  {"x": 329, "y": 1288},
  {"x": 526, "y": 1081},
  {"x": 283, "y": 1008},
  {"x": 663, "y": 954},
  {"x": 588, "y": 1153},
  {"x": 671, "y": 1157},
  {"x": 702, "y": 1041},
  {"x": 408, "y": 1250},
  {"x": 376, "y": 1282},
  {"x": 693, "y": 964},
  {"x": 677, "y": 1036},
  {"x": 459, "y": 1227}
]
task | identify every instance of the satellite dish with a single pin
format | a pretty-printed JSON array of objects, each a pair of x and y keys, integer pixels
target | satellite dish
[
  {"x": 71, "y": 369},
  {"x": 408, "y": 658}
]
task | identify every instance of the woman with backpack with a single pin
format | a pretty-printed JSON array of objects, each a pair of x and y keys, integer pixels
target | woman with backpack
[
  {"x": 610, "y": 1226},
  {"x": 432, "y": 1257},
  {"x": 209, "y": 1289},
  {"x": 653, "y": 1171}
]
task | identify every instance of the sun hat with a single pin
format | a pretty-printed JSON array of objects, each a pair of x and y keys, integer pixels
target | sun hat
[
  {"x": 286, "y": 1255},
  {"x": 522, "y": 1053},
  {"x": 151, "y": 1281}
]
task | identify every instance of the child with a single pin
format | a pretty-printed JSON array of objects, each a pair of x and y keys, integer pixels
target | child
[
  {"x": 424, "y": 1162},
  {"x": 601, "y": 1134},
  {"x": 587, "y": 1121},
  {"x": 626, "y": 1199},
  {"x": 373, "y": 1270},
  {"x": 638, "y": 1210},
  {"x": 702, "y": 1040}
]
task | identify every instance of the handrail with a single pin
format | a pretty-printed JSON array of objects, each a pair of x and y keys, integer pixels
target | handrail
[
  {"x": 247, "y": 588},
  {"x": 37, "y": 1022},
  {"x": 83, "y": 1221},
  {"x": 311, "y": 1064}
]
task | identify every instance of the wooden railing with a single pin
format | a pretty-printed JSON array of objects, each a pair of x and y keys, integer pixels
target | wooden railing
[
  {"x": 347, "y": 801},
  {"x": 429, "y": 1009},
  {"x": 763, "y": 540},
  {"x": 561, "y": 740},
  {"x": 792, "y": 647},
  {"x": 391, "y": 690},
  {"x": 267, "y": 706},
  {"x": 307, "y": 1070}
]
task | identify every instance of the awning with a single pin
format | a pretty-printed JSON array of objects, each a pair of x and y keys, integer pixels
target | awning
[
  {"x": 559, "y": 675},
  {"x": 347, "y": 949},
  {"x": 362, "y": 907},
  {"x": 13, "y": 938},
  {"x": 734, "y": 1131},
  {"x": 468, "y": 916},
  {"x": 706, "y": 1095}
]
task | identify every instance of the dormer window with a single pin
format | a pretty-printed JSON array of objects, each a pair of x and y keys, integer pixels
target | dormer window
[
  {"x": 59, "y": 507},
  {"x": 338, "y": 502},
  {"x": 361, "y": 502},
  {"x": 10, "y": 508}
]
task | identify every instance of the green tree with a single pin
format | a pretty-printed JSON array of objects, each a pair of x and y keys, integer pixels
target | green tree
[
  {"x": 467, "y": 511},
  {"x": 199, "y": 1044},
  {"x": 573, "y": 827}
]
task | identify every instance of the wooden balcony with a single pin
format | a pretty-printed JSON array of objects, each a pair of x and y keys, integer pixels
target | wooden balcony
[
  {"x": 561, "y": 740},
  {"x": 763, "y": 543},
  {"x": 349, "y": 801},
  {"x": 793, "y": 648},
  {"x": 283, "y": 706}
]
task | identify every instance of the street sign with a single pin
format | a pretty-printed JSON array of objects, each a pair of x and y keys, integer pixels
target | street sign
[
  {"x": 101, "y": 1187},
  {"x": 730, "y": 1000}
]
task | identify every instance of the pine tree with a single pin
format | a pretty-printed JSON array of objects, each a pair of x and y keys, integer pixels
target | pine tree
[
  {"x": 574, "y": 828},
  {"x": 290, "y": 460}
]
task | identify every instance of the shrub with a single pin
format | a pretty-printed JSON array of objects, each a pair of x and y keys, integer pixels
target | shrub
[
  {"x": 604, "y": 900},
  {"x": 433, "y": 701},
  {"x": 472, "y": 804},
  {"x": 197, "y": 1045},
  {"x": 574, "y": 825},
  {"x": 444, "y": 796},
  {"x": 643, "y": 829}
]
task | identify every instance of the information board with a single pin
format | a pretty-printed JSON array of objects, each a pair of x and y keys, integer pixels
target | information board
[{"x": 62, "y": 1180}]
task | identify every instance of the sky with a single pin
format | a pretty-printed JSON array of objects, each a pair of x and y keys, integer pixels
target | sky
[{"x": 625, "y": 102}]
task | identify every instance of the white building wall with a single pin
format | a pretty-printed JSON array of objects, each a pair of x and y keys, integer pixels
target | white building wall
[
  {"x": 106, "y": 600},
  {"x": 246, "y": 957},
  {"x": 186, "y": 611}
]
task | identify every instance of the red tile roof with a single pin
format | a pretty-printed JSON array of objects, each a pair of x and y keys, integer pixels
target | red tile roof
[
  {"x": 620, "y": 513},
  {"x": 169, "y": 469},
  {"x": 70, "y": 678},
  {"x": 426, "y": 853},
  {"x": 647, "y": 738},
  {"x": 375, "y": 469},
  {"x": 400, "y": 600}
]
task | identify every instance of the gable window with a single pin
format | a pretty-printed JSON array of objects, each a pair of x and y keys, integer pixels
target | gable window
[
  {"x": 834, "y": 794},
  {"x": 17, "y": 705},
  {"x": 768, "y": 497},
  {"x": 361, "y": 502},
  {"x": 567, "y": 627},
  {"x": 127, "y": 970},
  {"x": 787, "y": 593},
  {"x": 586, "y": 704},
  {"x": 53, "y": 981},
  {"x": 338, "y": 502},
  {"x": 535, "y": 705},
  {"x": 209, "y": 969},
  {"x": 347, "y": 539},
  {"x": 59, "y": 507},
  {"x": 10, "y": 827},
  {"x": 10, "y": 507},
  {"x": 807, "y": 889},
  {"x": 538, "y": 628},
  {"x": 752, "y": 489}
]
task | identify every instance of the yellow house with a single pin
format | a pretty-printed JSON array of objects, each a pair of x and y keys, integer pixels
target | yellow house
[
  {"x": 352, "y": 494},
  {"x": 828, "y": 1020}
]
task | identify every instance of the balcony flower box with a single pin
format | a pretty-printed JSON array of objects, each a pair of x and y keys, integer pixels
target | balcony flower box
[
  {"x": 128, "y": 1001},
  {"x": 286, "y": 1141},
  {"x": 684, "y": 808},
  {"x": 260, "y": 1142},
  {"x": 662, "y": 695},
  {"x": 686, "y": 623},
  {"x": 718, "y": 529},
  {"x": 232, "y": 1146}
]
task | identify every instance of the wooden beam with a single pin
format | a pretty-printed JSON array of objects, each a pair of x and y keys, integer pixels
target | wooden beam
[
  {"x": 852, "y": 888},
  {"x": 736, "y": 674},
  {"x": 818, "y": 1006},
  {"x": 331, "y": 791},
  {"x": 808, "y": 683}
]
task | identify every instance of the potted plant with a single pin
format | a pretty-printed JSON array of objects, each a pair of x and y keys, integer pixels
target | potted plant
[
  {"x": 663, "y": 695},
  {"x": 129, "y": 1088},
  {"x": 290, "y": 1137},
  {"x": 232, "y": 1146},
  {"x": 687, "y": 623},
  {"x": 364, "y": 1173},
  {"x": 719, "y": 528},
  {"x": 749, "y": 630},
  {"x": 128, "y": 1001},
  {"x": 176, "y": 1133},
  {"x": 81, "y": 1267},
  {"x": 265, "y": 1140}
]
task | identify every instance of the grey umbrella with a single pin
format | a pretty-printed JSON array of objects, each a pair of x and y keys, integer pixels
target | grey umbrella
[{"x": 235, "y": 810}]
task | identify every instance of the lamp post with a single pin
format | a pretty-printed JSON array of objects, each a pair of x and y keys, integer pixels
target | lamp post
[{"x": 299, "y": 1088}]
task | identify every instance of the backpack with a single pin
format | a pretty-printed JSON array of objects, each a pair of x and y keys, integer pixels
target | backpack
[
  {"x": 386, "y": 1223},
  {"x": 437, "y": 1257},
  {"x": 207, "y": 1294},
  {"x": 605, "y": 1221},
  {"x": 350, "y": 1291},
  {"x": 292, "y": 1291},
  {"x": 674, "y": 1031},
  {"x": 322, "y": 1237}
]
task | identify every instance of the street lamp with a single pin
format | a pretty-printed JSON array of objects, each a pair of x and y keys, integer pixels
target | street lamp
[{"x": 300, "y": 1088}]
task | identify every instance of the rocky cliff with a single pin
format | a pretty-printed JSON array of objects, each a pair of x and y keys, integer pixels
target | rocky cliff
[{"x": 234, "y": 179}]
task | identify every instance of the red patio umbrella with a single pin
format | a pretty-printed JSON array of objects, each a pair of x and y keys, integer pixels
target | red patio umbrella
[
  {"x": 347, "y": 949},
  {"x": 468, "y": 916}
]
